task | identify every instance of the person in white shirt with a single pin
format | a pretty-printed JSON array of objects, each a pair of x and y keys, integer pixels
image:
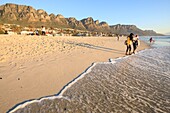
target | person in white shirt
[{"x": 43, "y": 30}]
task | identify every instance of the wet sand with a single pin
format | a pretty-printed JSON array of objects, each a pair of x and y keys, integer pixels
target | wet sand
[{"x": 35, "y": 66}]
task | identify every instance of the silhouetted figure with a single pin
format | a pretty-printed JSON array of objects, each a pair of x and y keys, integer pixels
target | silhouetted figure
[
  {"x": 129, "y": 43},
  {"x": 151, "y": 40},
  {"x": 117, "y": 37},
  {"x": 135, "y": 43}
]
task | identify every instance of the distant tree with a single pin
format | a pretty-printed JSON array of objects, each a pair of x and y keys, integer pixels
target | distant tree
[
  {"x": 1, "y": 31},
  {"x": 30, "y": 27},
  {"x": 16, "y": 28},
  {"x": 94, "y": 33},
  {"x": 75, "y": 31},
  {"x": 68, "y": 31},
  {"x": 52, "y": 28}
]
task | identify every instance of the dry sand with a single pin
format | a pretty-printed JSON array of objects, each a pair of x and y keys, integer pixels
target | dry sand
[{"x": 35, "y": 66}]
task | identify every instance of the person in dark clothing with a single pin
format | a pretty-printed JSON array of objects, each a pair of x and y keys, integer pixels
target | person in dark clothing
[
  {"x": 131, "y": 36},
  {"x": 135, "y": 43},
  {"x": 134, "y": 46},
  {"x": 117, "y": 37},
  {"x": 151, "y": 40}
]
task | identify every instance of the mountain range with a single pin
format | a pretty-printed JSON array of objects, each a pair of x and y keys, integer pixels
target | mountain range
[
  {"x": 168, "y": 33},
  {"x": 29, "y": 16}
]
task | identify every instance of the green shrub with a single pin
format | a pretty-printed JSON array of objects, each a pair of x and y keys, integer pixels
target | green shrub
[{"x": 1, "y": 31}]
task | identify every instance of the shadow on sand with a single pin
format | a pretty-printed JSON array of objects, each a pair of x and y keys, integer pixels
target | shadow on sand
[{"x": 91, "y": 46}]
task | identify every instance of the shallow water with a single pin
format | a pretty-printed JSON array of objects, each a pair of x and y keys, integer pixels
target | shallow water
[
  {"x": 139, "y": 83},
  {"x": 159, "y": 41}
]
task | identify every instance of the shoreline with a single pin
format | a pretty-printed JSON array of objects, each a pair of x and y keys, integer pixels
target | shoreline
[
  {"x": 74, "y": 57},
  {"x": 72, "y": 82},
  {"x": 61, "y": 95}
]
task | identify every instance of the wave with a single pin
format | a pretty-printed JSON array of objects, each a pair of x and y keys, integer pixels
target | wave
[{"x": 137, "y": 83}]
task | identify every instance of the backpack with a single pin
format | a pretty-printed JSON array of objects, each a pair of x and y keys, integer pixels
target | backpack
[
  {"x": 136, "y": 42},
  {"x": 125, "y": 42}
]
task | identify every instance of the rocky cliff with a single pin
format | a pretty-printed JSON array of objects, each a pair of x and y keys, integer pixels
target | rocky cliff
[
  {"x": 126, "y": 29},
  {"x": 92, "y": 25},
  {"x": 27, "y": 15}
]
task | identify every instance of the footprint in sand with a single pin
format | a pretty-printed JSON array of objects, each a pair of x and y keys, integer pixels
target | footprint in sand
[{"x": 2, "y": 60}]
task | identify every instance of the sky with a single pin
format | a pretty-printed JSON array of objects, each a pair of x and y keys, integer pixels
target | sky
[{"x": 145, "y": 14}]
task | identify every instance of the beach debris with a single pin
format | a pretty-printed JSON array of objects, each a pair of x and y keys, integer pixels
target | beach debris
[
  {"x": 18, "y": 78},
  {"x": 65, "y": 109},
  {"x": 0, "y": 77}
]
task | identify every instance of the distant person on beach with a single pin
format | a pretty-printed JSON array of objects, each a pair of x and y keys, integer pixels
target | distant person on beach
[
  {"x": 117, "y": 37},
  {"x": 135, "y": 43},
  {"x": 36, "y": 32},
  {"x": 151, "y": 40},
  {"x": 43, "y": 30},
  {"x": 128, "y": 43}
]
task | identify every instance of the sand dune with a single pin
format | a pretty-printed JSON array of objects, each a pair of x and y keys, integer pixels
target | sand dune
[{"x": 36, "y": 66}]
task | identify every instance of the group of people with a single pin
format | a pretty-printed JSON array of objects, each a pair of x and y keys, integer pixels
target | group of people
[
  {"x": 131, "y": 41},
  {"x": 36, "y": 32}
]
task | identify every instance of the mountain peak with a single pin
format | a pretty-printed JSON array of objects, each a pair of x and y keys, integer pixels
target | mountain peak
[
  {"x": 60, "y": 16},
  {"x": 97, "y": 22}
]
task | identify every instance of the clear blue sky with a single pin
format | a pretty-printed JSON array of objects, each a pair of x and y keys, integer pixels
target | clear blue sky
[{"x": 146, "y": 14}]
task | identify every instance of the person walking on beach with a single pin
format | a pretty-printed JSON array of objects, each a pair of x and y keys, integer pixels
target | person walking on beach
[
  {"x": 117, "y": 37},
  {"x": 43, "y": 30},
  {"x": 151, "y": 40},
  {"x": 129, "y": 43},
  {"x": 135, "y": 43}
]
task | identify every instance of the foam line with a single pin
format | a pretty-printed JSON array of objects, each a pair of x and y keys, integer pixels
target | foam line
[
  {"x": 60, "y": 94},
  {"x": 23, "y": 104},
  {"x": 78, "y": 78},
  {"x": 88, "y": 70}
]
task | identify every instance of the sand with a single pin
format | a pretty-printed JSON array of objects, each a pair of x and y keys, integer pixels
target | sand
[{"x": 35, "y": 66}]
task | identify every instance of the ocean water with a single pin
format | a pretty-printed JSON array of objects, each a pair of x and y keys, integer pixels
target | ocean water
[
  {"x": 159, "y": 41},
  {"x": 137, "y": 83}
]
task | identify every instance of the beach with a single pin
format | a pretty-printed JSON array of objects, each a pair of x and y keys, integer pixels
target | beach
[{"x": 32, "y": 67}]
